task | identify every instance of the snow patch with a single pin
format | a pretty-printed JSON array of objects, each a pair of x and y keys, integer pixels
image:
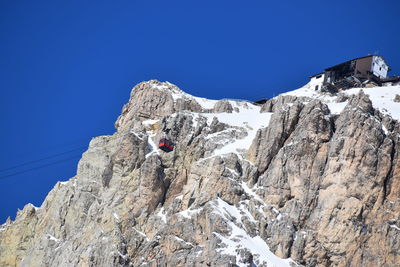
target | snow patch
[
  {"x": 139, "y": 136},
  {"x": 382, "y": 98},
  {"x": 228, "y": 211},
  {"x": 395, "y": 227},
  {"x": 250, "y": 192},
  {"x": 153, "y": 147},
  {"x": 248, "y": 118},
  {"x": 205, "y": 103},
  {"x": 240, "y": 239},
  {"x": 124, "y": 256},
  {"x": 141, "y": 233},
  {"x": 149, "y": 122},
  {"x": 51, "y": 237},
  {"x": 183, "y": 241},
  {"x": 162, "y": 215},
  {"x": 243, "y": 209},
  {"x": 385, "y": 130},
  {"x": 337, "y": 108},
  {"x": 189, "y": 212},
  {"x": 177, "y": 93}
]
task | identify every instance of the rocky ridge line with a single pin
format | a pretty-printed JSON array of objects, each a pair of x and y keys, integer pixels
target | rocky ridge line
[{"x": 314, "y": 188}]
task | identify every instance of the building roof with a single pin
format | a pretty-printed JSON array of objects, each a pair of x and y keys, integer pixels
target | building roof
[
  {"x": 357, "y": 58},
  {"x": 389, "y": 69}
]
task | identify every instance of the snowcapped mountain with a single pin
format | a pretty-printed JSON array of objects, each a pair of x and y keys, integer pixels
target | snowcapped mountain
[{"x": 306, "y": 179}]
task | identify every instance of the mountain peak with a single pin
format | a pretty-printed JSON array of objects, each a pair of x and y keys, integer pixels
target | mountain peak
[{"x": 306, "y": 179}]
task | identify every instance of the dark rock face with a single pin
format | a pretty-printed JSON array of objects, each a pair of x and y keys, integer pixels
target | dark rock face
[{"x": 322, "y": 189}]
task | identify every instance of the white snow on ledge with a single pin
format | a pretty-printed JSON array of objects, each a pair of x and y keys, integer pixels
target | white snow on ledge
[
  {"x": 177, "y": 93},
  {"x": 152, "y": 146},
  {"x": 162, "y": 215},
  {"x": 249, "y": 118},
  {"x": 395, "y": 227},
  {"x": 240, "y": 239},
  {"x": 149, "y": 122},
  {"x": 382, "y": 98},
  {"x": 51, "y": 237},
  {"x": 189, "y": 212},
  {"x": 205, "y": 103}
]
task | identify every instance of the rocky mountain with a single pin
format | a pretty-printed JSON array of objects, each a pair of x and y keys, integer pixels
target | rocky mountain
[{"x": 306, "y": 179}]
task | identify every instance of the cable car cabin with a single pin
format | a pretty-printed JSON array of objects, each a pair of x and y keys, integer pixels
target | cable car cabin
[{"x": 166, "y": 145}]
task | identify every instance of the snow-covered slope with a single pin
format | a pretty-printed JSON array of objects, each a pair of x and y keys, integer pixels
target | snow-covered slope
[{"x": 382, "y": 98}]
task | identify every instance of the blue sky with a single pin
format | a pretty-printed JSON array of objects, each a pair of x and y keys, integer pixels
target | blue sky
[{"x": 67, "y": 67}]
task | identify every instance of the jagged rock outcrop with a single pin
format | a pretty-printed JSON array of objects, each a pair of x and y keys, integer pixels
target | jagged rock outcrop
[
  {"x": 331, "y": 175},
  {"x": 223, "y": 106},
  {"x": 291, "y": 183},
  {"x": 154, "y": 100},
  {"x": 275, "y": 104}
]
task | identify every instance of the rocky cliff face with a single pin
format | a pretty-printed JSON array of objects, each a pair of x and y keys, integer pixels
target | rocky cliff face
[{"x": 300, "y": 181}]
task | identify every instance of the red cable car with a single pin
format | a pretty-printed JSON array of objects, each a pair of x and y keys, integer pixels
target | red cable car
[{"x": 166, "y": 145}]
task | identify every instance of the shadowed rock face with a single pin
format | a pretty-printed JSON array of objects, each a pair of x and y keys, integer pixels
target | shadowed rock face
[{"x": 320, "y": 188}]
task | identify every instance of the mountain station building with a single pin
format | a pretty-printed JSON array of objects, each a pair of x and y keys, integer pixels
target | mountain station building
[{"x": 365, "y": 71}]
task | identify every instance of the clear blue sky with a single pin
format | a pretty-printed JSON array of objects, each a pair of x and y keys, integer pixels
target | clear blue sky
[{"x": 67, "y": 67}]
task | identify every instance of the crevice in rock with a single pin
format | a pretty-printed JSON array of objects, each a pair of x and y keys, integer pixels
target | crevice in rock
[
  {"x": 283, "y": 138},
  {"x": 332, "y": 120},
  {"x": 389, "y": 174},
  {"x": 191, "y": 200},
  {"x": 166, "y": 183},
  {"x": 107, "y": 175}
]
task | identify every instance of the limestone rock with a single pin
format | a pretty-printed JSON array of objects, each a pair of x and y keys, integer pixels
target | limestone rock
[
  {"x": 154, "y": 100},
  {"x": 223, "y": 106},
  {"x": 312, "y": 188},
  {"x": 275, "y": 104}
]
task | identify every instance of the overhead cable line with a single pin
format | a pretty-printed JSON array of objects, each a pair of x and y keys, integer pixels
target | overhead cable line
[
  {"x": 40, "y": 167},
  {"x": 45, "y": 165},
  {"x": 39, "y": 160}
]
